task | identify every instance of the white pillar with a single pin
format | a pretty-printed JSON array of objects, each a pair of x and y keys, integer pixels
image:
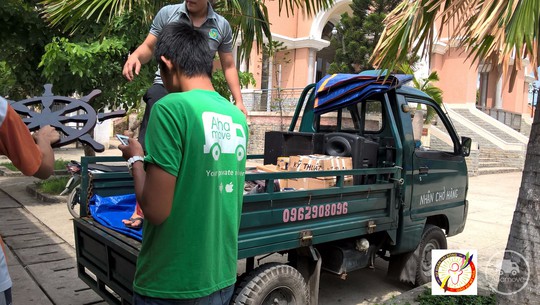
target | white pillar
[
  {"x": 311, "y": 66},
  {"x": 498, "y": 96},
  {"x": 270, "y": 83},
  {"x": 103, "y": 132}
]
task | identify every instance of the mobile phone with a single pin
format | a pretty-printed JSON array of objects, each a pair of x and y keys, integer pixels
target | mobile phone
[{"x": 123, "y": 139}]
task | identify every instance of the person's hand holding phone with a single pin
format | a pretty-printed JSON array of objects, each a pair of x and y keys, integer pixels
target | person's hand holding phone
[
  {"x": 130, "y": 147},
  {"x": 123, "y": 139}
]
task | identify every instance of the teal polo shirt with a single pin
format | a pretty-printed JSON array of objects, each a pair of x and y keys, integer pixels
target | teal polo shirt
[{"x": 217, "y": 28}]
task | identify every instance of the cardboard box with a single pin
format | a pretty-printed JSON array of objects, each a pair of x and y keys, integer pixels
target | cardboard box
[
  {"x": 310, "y": 162},
  {"x": 309, "y": 183},
  {"x": 283, "y": 163},
  {"x": 313, "y": 183},
  {"x": 271, "y": 168},
  {"x": 319, "y": 162}
]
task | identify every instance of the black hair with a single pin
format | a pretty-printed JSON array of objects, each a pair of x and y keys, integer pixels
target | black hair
[{"x": 186, "y": 47}]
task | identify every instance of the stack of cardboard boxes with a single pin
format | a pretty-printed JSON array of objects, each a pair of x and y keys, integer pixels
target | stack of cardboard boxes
[{"x": 312, "y": 163}]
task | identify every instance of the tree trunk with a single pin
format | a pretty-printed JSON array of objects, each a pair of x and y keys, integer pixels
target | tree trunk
[
  {"x": 88, "y": 150},
  {"x": 524, "y": 238}
]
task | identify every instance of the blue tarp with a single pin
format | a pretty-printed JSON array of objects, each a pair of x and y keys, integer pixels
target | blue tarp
[
  {"x": 340, "y": 90},
  {"x": 109, "y": 211}
]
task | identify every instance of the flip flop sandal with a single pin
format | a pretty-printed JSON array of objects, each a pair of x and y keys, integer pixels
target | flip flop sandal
[{"x": 133, "y": 220}]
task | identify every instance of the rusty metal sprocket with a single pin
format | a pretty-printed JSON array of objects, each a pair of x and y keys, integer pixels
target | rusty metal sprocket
[{"x": 58, "y": 111}]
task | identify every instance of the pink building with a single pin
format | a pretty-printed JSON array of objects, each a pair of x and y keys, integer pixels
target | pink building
[{"x": 307, "y": 55}]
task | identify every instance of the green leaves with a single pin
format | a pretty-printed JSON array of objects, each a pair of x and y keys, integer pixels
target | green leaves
[
  {"x": 426, "y": 85},
  {"x": 70, "y": 15},
  {"x": 81, "y": 67},
  {"x": 495, "y": 32},
  {"x": 220, "y": 83},
  {"x": 358, "y": 34},
  {"x": 247, "y": 16}
]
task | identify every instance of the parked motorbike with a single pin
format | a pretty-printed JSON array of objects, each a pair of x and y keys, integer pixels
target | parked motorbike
[{"x": 73, "y": 186}]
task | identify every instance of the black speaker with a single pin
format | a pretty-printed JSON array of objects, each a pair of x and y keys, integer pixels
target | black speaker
[
  {"x": 363, "y": 151},
  {"x": 289, "y": 143}
]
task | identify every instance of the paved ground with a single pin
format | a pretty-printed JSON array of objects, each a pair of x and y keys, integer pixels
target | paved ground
[{"x": 42, "y": 258}]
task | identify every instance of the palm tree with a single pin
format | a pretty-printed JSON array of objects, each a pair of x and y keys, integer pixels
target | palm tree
[
  {"x": 249, "y": 17},
  {"x": 497, "y": 33}
]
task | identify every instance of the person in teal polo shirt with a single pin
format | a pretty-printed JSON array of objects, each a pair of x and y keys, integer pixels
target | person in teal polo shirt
[
  {"x": 190, "y": 183},
  {"x": 218, "y": 32}
]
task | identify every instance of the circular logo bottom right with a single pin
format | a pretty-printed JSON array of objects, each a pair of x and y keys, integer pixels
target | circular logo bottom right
[{"x": 508, "y": 275}]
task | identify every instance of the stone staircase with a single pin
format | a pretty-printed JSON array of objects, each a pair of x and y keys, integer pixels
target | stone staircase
[{"x": 500, "y": 148}]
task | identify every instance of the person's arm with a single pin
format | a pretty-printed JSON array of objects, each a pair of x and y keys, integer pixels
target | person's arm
[
  {"x": 156, "y": 205},
  {"x": 231, "y": 75},
  {"x": 44, "y": 138},
  {"x": 2, "y": 248},
  {"x": 16, "y": 142},
  {"x": 139, "y": 57}
]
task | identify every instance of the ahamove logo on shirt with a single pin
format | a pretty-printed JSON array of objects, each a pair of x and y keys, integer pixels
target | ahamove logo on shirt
[{"x": 222, "y": 136}]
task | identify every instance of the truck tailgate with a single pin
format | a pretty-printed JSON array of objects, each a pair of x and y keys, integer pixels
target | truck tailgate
[{"x": 105, "y": 258}]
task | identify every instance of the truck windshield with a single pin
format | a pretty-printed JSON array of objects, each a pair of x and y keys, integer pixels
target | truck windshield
[{"x": 360, "y": 118}]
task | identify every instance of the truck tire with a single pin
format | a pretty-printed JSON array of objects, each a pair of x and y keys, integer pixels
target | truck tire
[
  {"x": 271, "y": 284},
  {"x": 432, "y": 238}
]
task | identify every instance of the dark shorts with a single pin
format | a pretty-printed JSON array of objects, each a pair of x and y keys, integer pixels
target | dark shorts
[
  {"x": 152, "y": 95},
  {"x": 220, "y": 297},
  {"x": 5, "y": 297}
]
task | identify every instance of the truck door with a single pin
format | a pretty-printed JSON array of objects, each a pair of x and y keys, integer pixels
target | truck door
[{"x": 439, "y": 168}]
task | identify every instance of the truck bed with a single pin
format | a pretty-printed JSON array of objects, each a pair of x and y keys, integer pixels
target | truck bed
[{"x": 271, "y": 221}]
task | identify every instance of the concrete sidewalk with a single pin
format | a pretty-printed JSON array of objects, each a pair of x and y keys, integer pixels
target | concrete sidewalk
[
  {"x": 42, "y": 264},
  {"x": 40, "y": 242}
]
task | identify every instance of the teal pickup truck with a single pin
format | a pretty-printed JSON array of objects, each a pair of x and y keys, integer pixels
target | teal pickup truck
[{"x": 408, "y": 193}]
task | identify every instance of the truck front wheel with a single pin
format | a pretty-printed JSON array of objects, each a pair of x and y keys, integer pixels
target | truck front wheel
[
  {"x": 433, "y": 238},
  {"x": 415, "y": 266},
  {"x": 272, "y": 284}
]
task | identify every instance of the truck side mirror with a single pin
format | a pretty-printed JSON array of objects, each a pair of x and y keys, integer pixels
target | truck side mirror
[{"x": 466, "y": 146}]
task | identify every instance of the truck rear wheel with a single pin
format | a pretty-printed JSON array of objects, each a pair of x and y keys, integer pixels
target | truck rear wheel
[
  {"x": 433, "y": 238},
  {"x": 272, "y": 284}
]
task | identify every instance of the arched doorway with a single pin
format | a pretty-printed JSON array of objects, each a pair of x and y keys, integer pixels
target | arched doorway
[{"x": 322, "y": 27}]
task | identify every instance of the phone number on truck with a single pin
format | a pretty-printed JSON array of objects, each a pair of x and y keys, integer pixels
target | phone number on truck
[{"x": 315, "y": 211}]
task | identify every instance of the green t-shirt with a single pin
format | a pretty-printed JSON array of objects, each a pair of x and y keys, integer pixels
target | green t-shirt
[{"x": 201, "y": 138}]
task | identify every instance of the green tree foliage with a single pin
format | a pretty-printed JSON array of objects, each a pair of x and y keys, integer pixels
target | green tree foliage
[
  {"x": 494, "y": 32},
  {"x": 247, "y": 16},
  {"x": 91, "y": 60},
  {"x": 33, "y": 54},
  {"x": 24, "y": 36},
  {"x": 7, "y": 79},
  {"x": 358, "y": 34},
  {"x": 220, "y": 83},
  {"x": 427, "y": 86}
]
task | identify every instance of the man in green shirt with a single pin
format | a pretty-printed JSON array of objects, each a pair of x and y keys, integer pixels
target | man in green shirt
[{"x": 190, "y": 185}]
